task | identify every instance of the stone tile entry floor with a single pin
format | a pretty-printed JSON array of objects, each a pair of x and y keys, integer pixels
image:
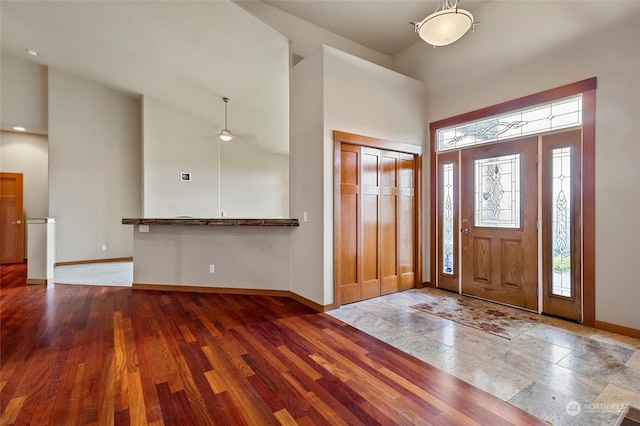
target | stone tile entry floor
[{"x": 559, "y": 371}]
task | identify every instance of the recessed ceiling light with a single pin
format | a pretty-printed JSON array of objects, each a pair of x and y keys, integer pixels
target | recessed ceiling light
[
  {"x": 32, "y": 52},
  {"x": 19, "y": 129}
]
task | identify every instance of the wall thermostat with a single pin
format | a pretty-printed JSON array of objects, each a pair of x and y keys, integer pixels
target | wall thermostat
[{"x": 185, "y": 176}]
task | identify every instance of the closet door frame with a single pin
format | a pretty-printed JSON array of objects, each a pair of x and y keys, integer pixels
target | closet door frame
[{"x": 382, "y": 144}]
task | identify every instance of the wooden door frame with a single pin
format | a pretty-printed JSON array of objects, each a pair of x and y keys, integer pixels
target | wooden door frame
[
  {"x": 353, "y": 139},
  {"x": 19, "y": 178},
  {"x": 585, "y": 87}
]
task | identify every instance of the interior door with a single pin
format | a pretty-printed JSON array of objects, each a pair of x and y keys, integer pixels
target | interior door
[
  {"x": 499, "y": 203},
  {"x": 11, "y": 218}
]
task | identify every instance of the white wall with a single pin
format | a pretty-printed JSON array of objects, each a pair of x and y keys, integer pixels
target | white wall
[
  {"x": 244, "y": 257},
  {"x": 28, "y": 154},
  {"x": 23, "y": 102},
  {"x": 357, "y": 97},
  {"x": 253, "y": 181},
  {"x": 94, "y": 167},
  {"x": 236, "y": 177},
  {"x": 175, "y": 142},
  {"x": 24, "y": 94},
  {"x": 484, "y": 77},
  {"x": 306, "y": 178}
]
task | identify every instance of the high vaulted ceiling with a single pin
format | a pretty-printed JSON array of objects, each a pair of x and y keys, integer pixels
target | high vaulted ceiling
[
  {"x": 187, "y": 54},
  {"x": 190, "y": 53},
  {"x": 382, "y": 25}
]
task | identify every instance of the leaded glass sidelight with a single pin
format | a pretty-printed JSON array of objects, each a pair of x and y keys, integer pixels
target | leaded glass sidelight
[
  {"x": 561, "y": 221},
  {"x": 497, "y": 192},
  {"x": 447, "y": 219}
]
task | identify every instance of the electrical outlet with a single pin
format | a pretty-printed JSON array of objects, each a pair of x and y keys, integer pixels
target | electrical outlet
[
  {"x": 104, "y": 247},
  {"x": 212, "y": 269}
]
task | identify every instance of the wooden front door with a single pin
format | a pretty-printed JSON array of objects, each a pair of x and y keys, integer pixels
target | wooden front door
[
  {"x": 11, "y": 218},
  {"x": 377, "y": 222},
  {"x": 499, "y": 194}
]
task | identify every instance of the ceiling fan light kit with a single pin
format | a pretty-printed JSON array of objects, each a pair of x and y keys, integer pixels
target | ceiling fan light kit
[
  {"x": 446, "y": 25},
  {"x": 225, "y": 134}
]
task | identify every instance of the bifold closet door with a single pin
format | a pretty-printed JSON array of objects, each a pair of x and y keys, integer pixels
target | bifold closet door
[
  {"x": 406, "y": 221},
  {"x": 389, "y": 223},
  {"x": 359, "y": 222},
  {"x": 377, "y": 222},
  {"x": 350, "y": 277},
  {"x": 370, "y": 222},
  {"x": 397, "y": 222}
]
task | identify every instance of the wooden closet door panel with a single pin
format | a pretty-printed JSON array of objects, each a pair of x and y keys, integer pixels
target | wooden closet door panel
[
  {"x": 350, "y": 287},
  {"x": 389, "y": 223},
  {"x": 370, "y": 190},
  {"x": 406, "y": 221},
  {"x": 376, "y": 246}
]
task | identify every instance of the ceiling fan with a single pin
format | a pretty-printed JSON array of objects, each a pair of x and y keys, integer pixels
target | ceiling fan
[{"x": 225, "y": 134}]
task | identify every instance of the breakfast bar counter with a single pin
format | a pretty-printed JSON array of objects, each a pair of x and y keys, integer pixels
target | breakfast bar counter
[{"x": 212, "y": 221}]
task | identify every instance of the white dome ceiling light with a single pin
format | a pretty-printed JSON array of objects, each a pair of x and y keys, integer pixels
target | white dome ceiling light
[{"x": 446, "y": 25}]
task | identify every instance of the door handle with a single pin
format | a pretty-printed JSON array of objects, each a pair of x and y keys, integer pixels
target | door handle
[
  {"x": 465, "y": 231},
  {"x": 17, "y": 222}
]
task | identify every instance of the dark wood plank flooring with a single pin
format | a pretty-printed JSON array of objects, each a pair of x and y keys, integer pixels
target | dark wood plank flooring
[{"x": 103, "y": 355}]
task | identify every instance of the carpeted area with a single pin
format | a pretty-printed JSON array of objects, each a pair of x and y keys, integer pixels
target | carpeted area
[{"x": 105, "y": 274}]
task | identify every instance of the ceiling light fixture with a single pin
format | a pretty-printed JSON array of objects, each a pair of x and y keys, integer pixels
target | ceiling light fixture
[
  {"x": 19, "y": 129},
  {"x": 32, "y": 52},
  {"x": 446, "y": 25},
  {"x": 225, "y": 134}
]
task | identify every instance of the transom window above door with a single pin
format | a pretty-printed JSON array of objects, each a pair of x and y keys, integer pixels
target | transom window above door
[{"x": 559, "y": 114}]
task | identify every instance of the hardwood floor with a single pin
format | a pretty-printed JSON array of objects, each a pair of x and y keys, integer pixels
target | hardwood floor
[
  {"x": 13, "y": 275},
  {"x": 103, "y": 355}
]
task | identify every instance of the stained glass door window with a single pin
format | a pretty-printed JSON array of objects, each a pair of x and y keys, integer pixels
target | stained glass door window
[
  {"x": 448, "y": 231},
  {"x": 497, "y": 192},
  {"x": 561, "y": 221},
  {"x": 561, "y": 233},
  {"x": 447, "y": 220}
]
